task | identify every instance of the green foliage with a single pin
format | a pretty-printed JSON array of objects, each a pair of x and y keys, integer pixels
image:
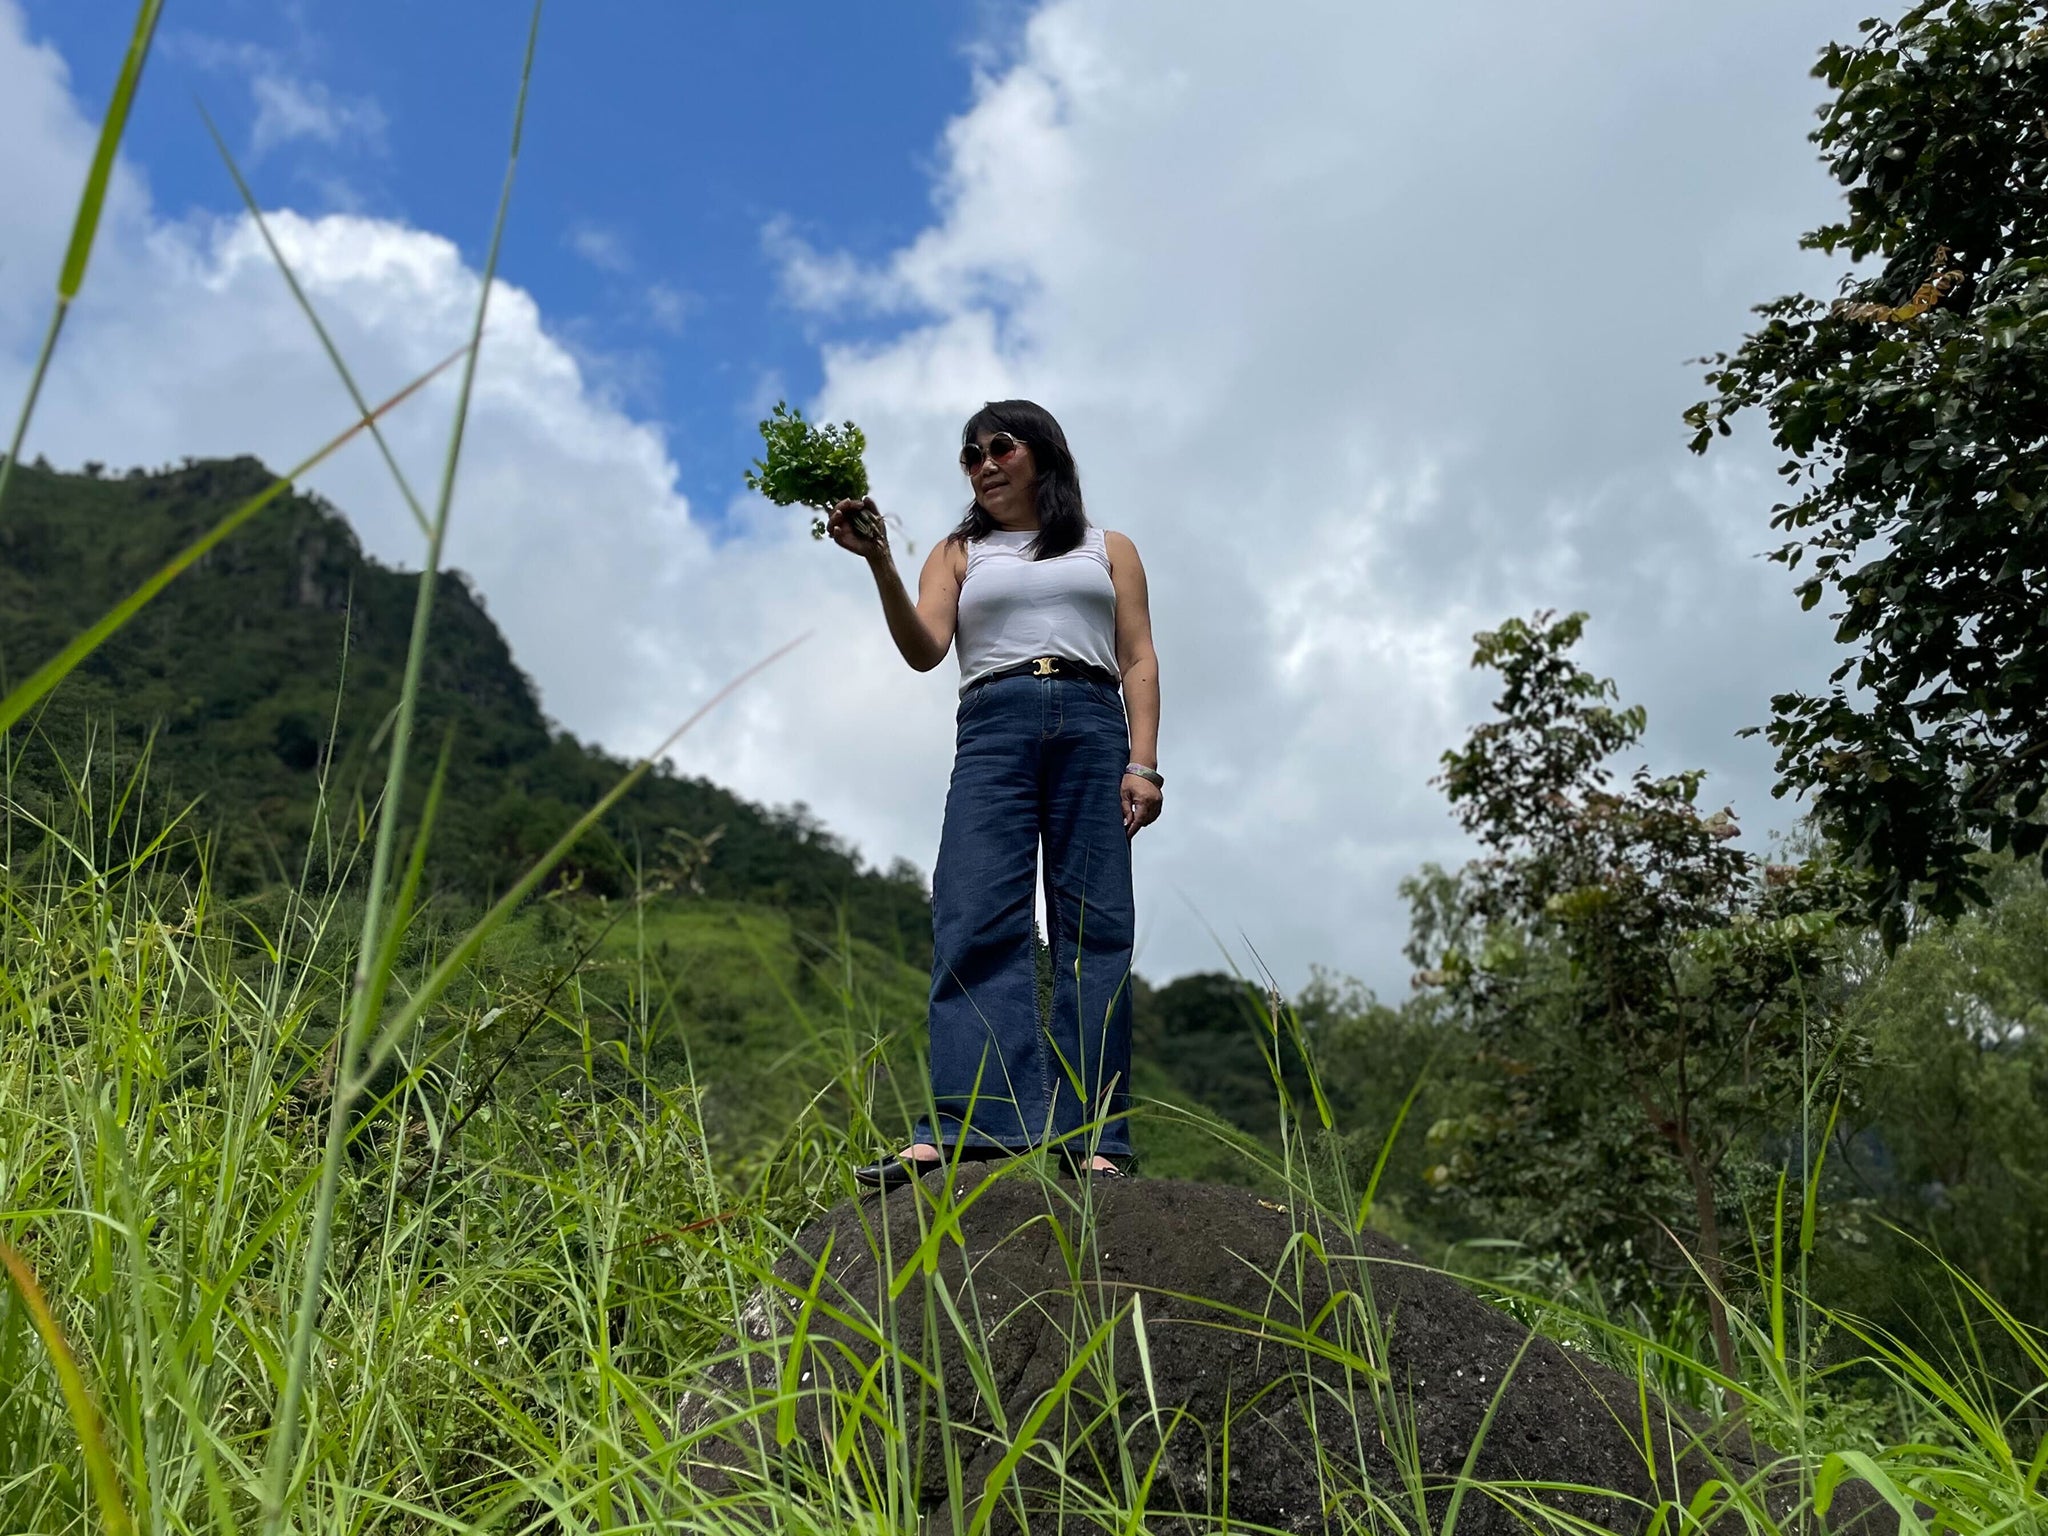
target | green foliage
[
  {"x": 1213, "y": 1038},
  {"x": 489, "y": 1266},
  {"x": 740, "y": 1000},
  {"x": 1391, "y": 1073},
  {"x": 1910, "y": 413},
  {"x": 261, "y": 682},
  {"x": 1945, "y": 1148},
  {"x": 810, "y": 466},
  {"x": 1640, "y": 993},
  {"x": 1215, "y": 1043}
]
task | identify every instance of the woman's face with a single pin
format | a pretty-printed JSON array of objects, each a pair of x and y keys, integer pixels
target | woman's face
[{"x": 1007, "y": 487}]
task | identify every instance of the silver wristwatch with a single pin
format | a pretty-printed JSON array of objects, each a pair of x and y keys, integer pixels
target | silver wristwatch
[{"x": 1151, "y": 775}]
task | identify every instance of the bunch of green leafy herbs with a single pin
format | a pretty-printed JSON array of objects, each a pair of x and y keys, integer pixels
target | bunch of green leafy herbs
[{"x": 812, "y": 465}]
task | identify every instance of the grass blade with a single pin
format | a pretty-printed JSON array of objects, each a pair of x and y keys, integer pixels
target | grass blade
[
  {"x": 999, "y": 1475},
  {"x": 291, "y": 279},
  {"x": 1379, "y": 1167},
  {"x": 1879, "y": 1478},
  {"x": 793, "y": 1372},
  {"x": 1466, "y": 1480},
  {"x": 85, "y": 1417},
  {"x": 1812, "y": 1196},
  {"x": 366, "y": 985},
  {"x": 85, "y": 227}
]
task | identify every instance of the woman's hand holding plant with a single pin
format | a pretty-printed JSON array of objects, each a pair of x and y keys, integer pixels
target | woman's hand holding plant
[
  {"x": 820, "y": 467},
  {"x": 857, "y": 525}
]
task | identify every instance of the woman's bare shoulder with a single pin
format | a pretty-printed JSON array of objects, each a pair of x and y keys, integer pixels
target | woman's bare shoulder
[{"x": 949, "y": 556}]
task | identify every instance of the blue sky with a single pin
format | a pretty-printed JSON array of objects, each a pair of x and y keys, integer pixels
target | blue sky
[{"x": 662, "y": 139}]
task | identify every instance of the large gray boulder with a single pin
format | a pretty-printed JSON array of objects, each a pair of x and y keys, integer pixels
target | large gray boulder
[{"x": 1246, "y": 1361}]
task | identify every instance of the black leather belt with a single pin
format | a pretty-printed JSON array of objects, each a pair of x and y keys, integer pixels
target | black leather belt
[{"x": 1049, "y": 666}]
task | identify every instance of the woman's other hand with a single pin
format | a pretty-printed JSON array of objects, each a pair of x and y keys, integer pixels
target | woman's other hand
[
  {"x": 857, "y": 526},
  {"x": 1143, "y": 801}
]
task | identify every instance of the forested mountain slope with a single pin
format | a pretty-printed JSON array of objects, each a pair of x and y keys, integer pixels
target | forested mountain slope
[{"x": 270, "y": 669}]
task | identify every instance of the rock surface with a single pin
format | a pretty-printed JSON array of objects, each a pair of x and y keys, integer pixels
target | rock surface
[{"x": 1353, "y": 1381}]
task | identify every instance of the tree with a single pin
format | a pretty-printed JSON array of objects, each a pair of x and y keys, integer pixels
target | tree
[
  {"x": 1949, "y": 1147},
  {"x": 1624, "y": 969},
  {"x": 1913, "y": 412},
  {"x": 1212, "y": 1035}
]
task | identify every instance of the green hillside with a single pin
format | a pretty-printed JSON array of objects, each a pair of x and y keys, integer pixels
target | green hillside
[{"x": 267, "y": 671}]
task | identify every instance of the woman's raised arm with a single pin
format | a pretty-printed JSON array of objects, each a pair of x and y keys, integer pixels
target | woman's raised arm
[{"x": 922, "y": 630}]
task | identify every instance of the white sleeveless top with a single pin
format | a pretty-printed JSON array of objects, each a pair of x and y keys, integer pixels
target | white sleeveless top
[{"x": 1013, "y": 608}]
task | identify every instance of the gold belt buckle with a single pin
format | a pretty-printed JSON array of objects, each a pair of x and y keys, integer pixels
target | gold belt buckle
[{"x": 1042, "y": 666}]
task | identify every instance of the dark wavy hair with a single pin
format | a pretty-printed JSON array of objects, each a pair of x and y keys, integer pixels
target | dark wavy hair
[{"x": 1062, "y": 519}]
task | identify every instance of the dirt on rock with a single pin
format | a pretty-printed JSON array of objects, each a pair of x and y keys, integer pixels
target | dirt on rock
[{"x": 1248, "y": 1364}]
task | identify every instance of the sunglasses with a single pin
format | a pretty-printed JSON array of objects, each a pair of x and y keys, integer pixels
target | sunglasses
[{"x": 1000, "y": 447}]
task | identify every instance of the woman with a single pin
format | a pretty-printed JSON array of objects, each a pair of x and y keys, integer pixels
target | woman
[{"x": 1057, "y": 746}]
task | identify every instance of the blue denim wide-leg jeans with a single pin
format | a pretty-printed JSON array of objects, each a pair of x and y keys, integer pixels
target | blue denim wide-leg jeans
[{"x": 1039, "y": 760}]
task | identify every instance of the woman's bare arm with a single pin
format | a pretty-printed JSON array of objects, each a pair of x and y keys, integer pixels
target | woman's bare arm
[
  {"x": 1139, "y": 664},
  {"x": 922, "y": 630},
  {"x": 1135, "y": 658}
]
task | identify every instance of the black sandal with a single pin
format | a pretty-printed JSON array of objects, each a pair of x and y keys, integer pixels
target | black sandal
[
  {"x": 896, "y": 1170},
  {"x": 1080, "y": 1170}
]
